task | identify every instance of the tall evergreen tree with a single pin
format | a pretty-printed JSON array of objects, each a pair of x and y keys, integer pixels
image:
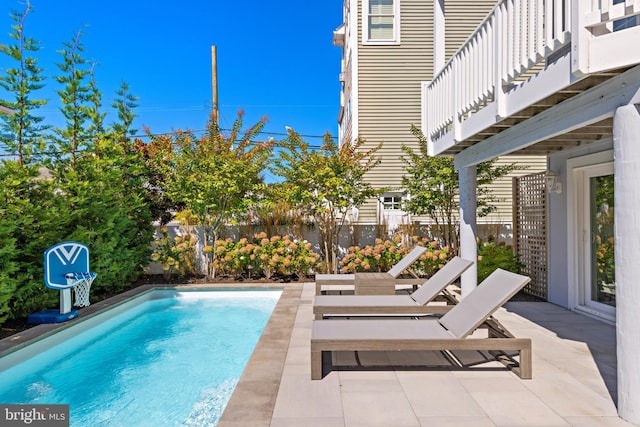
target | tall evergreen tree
[
  {"x": 74, "y": 96},
  {"x": 23, "y": 132},
  {"x": 95, "y": 101},
  {"x": 124, "y": 104}
]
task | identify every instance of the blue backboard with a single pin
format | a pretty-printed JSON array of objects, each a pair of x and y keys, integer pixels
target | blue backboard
[{"x": 63, "y": 258}]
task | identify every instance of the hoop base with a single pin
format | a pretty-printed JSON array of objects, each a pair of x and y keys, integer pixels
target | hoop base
[{"x": 51, "y": 316}]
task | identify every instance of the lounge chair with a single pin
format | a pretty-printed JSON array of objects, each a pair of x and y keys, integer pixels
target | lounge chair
[
  {"x": 415, "y": 303},
  {"x": 449, "y": 332},
  {"x": 385, "y": 281}
]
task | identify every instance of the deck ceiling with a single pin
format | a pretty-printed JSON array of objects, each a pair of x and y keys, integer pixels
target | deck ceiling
[{"x": 579, "y": 137}]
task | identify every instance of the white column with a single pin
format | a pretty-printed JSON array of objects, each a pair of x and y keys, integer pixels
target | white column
[
  {"x": 626, "y": 144},
  {"x": 468, "y": 233}
]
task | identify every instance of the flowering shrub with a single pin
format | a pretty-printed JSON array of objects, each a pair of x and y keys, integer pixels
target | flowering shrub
[
  {"x": 493, "y": 255},
  {"x": 384, "y": 254},
  {"x": 263, "y": 257},
  {"x": 174, "y": 254}
]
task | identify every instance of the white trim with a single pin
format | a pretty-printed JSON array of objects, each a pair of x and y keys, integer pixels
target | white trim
[
  {"x": 365, "y": 25},
  {"x": 439, "y": 23},
  {"x": 423, "y": 113},
  {"x": 575, "y": 212},
  {"x": 586, "y": 108},
  {"x": 355, "y": 75}
]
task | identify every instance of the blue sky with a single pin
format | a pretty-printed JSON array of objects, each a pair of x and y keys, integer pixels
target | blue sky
[{"x": 274, "y": 59}]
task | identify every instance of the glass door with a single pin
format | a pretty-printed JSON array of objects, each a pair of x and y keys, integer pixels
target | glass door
[{"x": 599, "y": 285}]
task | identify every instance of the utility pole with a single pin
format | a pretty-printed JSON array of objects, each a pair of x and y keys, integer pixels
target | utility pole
[{"x": 214, "y": 83}]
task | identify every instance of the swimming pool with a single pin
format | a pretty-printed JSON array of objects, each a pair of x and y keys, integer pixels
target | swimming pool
[{"x": 165, "y": 358}]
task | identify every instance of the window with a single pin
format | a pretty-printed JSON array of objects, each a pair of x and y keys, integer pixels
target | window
[
  {"x": 381, "y": 24},
  {"x": 392, "y": 202}
]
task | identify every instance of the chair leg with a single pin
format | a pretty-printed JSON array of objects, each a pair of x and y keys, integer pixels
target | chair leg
[
  {"x": 316, "y": 365},
  {"x": 526, "y": 371}
]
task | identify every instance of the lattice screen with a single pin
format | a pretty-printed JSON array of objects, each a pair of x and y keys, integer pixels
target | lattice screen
[{"x": 530, "y": 230}]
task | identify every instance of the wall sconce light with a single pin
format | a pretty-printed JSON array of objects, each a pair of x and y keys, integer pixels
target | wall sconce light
[{"x": 553, "y": 182}]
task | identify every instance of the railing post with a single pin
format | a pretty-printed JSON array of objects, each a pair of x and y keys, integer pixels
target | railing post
[
  {"x": 456, "y": 93},
  {"x": 580, "y": 37},
  {"x": 499, "y": 36}
]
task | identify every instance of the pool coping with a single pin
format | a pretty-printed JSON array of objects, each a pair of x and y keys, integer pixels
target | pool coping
[{"x": 254, "y": 398}]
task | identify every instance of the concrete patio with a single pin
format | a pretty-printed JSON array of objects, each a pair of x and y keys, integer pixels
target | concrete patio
[
  {"x": 574, "y": 375},
  {"x": 574, "y": 378}
]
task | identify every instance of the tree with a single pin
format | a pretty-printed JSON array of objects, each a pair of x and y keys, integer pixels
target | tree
[
  {"x": 22, "y": 132},
  {"x": 106, "y": 195},
  {"x": 124, "y": 104},
  {"x": 32, "y": 218},
  {"x": 96, "y": 117},
  {"x": 326, "y": 183},
  {"x": 432, "y": 183},
  {"x": 216, "y": 177},
  {"x": 74, "y": 96}
]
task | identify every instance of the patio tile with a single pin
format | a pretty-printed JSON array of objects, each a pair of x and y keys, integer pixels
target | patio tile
[
  {"x": 298, "y": 355},
  {"x": 375, "y": 400},
  {"x": 438, "y": 394},
  {"x": 517, "y": 408},
  {"x": 300, "y": 397},
  {"x": 453, "y": 421},
  {"x": 598, "y": 422},
  {"x": 307, "y": 422},
  {"x": 300, "y": 369},
  {"x": 490, "y": 381},
  {"x": 567, "y": 396},
  {"x": 356, "y": 381}
]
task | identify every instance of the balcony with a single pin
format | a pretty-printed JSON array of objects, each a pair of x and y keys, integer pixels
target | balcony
[{"x": 526, "y": 57}]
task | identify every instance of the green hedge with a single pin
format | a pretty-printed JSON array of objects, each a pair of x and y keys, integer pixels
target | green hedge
[{"x": 101, "y": 202}]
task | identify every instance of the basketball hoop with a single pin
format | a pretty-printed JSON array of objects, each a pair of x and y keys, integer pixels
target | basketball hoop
[
  {"x": 80, "y": 283},
  {"x": 66, "y": 267}
]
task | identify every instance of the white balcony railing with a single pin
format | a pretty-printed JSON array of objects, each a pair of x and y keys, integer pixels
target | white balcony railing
[{"x": 512, "y": 43}]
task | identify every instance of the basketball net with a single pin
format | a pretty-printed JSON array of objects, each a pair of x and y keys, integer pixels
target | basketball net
[{"x": 81, "y": 283}]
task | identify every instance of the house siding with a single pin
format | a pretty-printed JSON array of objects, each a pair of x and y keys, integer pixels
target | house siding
[
  {"x": 462, "y": 18},
  {"x": 502, "y": 188},
  {"x": 389, "y": 93},
  {"x": 387, "y": 82}
]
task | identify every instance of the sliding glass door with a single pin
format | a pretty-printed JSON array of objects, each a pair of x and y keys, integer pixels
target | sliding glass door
[{"x": 599, "y": 293}]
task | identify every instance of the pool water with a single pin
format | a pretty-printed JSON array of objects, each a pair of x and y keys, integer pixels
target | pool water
[{"x": 167, "y": 361}]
